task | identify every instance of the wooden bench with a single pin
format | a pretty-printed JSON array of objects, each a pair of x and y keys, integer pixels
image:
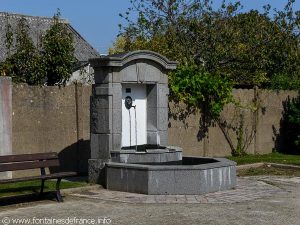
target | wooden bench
[{"x": 34, "y": 161}]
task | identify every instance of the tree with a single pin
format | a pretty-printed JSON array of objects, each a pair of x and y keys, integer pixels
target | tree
[
  {"x": 51, "y": 62},
  {"x": 155, "y": 28},
  {"x": 250, "y": 48},
  {"x": 58, "y": 52},
  {"x": 25, "y": 64}
]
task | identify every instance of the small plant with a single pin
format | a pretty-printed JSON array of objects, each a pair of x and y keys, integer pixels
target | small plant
[
  {"x": 239, "y": 150},
  {"x": 237, "y": 129}
]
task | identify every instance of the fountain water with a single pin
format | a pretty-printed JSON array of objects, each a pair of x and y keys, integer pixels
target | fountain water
[{"x": 129, "y": 125}]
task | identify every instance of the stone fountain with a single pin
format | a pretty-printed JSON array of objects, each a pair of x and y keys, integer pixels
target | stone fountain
[{"x": 129, "y": 132}]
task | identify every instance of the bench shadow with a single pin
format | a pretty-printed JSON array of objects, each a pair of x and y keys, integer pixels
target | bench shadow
[
  {"x": 74, "y": 158},
  {"x": 27, "y": 198},
  {"x": 34, "y": 189}
]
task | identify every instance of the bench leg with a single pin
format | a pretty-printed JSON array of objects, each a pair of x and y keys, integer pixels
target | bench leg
[
  {"x": 42, "y": 188},
  {"x": 58, "y": 195}
]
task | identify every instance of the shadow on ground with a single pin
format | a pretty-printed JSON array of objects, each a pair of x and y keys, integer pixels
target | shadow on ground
[{"x": 26, "y": 198}]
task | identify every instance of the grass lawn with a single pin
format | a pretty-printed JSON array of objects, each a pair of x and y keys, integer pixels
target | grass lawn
[
  {"x": 269, "y": 170},
  {"x": 271, "y": 158},
  {"x": 30, "y": 187}
]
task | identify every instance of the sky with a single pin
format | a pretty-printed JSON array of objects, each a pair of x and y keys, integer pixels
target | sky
[{"x": 97, "y": 20}]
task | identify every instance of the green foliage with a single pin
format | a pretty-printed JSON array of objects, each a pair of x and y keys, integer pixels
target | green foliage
[
  {"x": 268, "y": 158},
  {"x": 194, "y": 86},
  {"x": 163, "y": 44},
  {"x": 284, "y": 82},
  {"x": 28, "y": 187},
  {"x": 269, "y": 170},
  {"x": 51, "y": 62},
  {"x": 58, "y": 52},
  {"x": 250, "y": 48}
]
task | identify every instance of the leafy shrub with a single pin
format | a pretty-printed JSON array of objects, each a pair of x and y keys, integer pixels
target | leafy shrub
[{"x": 194, "y": 86}]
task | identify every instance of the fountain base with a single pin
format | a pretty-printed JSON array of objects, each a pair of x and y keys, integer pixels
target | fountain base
[{"x": 194, "y": 176}]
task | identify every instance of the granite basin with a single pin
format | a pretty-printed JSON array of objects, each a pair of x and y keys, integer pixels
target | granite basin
[{"x": 190, "y": 176}]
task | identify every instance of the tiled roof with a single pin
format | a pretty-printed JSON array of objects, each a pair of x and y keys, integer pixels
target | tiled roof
[{"x": 38, "y": 27}]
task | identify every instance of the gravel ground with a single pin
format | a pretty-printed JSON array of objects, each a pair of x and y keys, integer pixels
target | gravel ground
[{"x": 280, "y": 208}]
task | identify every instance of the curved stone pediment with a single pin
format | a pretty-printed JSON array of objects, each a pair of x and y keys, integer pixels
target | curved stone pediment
[{"x": 122, "y": 59}]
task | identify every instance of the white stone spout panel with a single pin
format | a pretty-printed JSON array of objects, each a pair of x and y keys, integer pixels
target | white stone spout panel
[{"x": 134, "y": 120}]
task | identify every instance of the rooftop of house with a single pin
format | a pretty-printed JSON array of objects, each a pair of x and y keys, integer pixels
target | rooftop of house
[{"x": 38, "y": 26}]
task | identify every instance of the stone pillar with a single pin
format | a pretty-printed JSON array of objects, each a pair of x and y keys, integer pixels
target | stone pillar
[
  {"x": 106, "y": 122},
  {"x": 5, "y": 120}
]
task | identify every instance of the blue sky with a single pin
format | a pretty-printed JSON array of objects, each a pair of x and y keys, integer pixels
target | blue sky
[{"x": 97, "y": 20}]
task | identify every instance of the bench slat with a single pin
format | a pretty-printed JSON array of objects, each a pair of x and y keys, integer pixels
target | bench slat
[
  {"x": 28, "y": 165},
  {"x": 44, "y": 177},
  {"x": 28, "y": 157}
]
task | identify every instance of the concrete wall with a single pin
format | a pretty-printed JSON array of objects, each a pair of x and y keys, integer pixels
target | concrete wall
[
  {"x": 5, "y": 119},
  {"x": 46, "y": 119},
  {"x": 262, "y": 118}
]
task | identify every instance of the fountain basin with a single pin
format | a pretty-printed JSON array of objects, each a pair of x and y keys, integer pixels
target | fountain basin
[
  {"x": 150, "y": 155},
  {"x": 195, "y": 175}
]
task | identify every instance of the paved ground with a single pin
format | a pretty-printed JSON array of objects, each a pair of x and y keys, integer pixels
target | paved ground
[
  {"x": 247, "y": 189},
  {"x": 257, "y": 200}
]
